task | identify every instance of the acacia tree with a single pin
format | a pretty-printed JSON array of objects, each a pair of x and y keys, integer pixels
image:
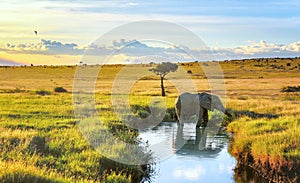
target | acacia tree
[{"x": 162, "y": 70}]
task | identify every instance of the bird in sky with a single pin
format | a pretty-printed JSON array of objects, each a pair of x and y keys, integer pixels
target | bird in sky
[{"x": 35, "y": 32}]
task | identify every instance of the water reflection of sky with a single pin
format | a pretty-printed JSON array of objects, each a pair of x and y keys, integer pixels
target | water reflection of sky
[{"x": 203, "y": 166}]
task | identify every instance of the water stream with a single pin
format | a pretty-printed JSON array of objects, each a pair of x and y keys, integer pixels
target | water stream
[{"x": 188, "y": 154}]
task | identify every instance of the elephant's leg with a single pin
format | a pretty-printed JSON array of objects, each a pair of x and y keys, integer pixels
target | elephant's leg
[
  {"x": 181, "y": 119},
  {"x": 200, "y": 117},
  {"x": 178, "y": 119},
  {"x": 202, "y": 143},
  {"x": 180, "y": 123},
  {"x": 179, "y": 140},
  {"x": 205, "y": 118},
  {"x": 178, "y": 111}
]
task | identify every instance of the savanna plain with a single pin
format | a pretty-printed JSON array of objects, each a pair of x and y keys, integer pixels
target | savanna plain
[{"x": 40, "y": 140}]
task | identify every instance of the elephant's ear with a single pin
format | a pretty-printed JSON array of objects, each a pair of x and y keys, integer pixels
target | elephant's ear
[{"x": 205, "y": 101}]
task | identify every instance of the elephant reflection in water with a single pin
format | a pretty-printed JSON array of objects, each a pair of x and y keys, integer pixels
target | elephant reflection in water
[
  {"x": 199, "y": 146},
  {"x": 194, "y": 108}
]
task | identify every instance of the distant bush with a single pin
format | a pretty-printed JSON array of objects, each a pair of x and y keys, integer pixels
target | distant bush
[
  {"x": 60, "y": 89},
  {"x": 16, "y": 90},
  {"x": 242, "y": 98},
  {"x": 37, "y": 145},
  {"x": 43, "y": 92},
  {"x": 291, "y": 89}
]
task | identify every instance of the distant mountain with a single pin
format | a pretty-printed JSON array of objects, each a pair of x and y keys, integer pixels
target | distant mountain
[{"x": 9, "y": 63}]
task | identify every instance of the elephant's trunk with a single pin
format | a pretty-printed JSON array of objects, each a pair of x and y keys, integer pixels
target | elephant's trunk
[
  {"x": 219, "y": 107},
  {"x": 227, "y": 113}
]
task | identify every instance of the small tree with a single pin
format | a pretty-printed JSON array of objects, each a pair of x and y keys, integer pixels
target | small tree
[{"x": 162, "y": 70}]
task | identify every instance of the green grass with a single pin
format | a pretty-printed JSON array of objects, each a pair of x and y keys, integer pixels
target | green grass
[
  {"x": 271, "y": 147},
  {"x": 275, "y": 139},
  {"x": 39, "y": 132},
  {"x": 45, "y": 127},
  {"x": 20, "y": 172}
]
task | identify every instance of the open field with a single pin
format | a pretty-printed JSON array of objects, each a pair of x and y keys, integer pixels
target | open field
[{"x": 39, "y": 131}]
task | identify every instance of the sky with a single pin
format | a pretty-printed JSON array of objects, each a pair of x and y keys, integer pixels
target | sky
[{"x": 230, "y": 29}]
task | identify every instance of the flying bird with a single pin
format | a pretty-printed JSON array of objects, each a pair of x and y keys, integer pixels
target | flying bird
[{"x": 35, "y": 32}]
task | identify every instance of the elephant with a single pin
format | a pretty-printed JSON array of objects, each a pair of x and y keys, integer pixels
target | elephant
[{"x": 194, "y": 107}]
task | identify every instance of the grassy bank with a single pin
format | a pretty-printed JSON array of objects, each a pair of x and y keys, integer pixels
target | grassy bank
[
  {"x": 271, "y": 147},
  {"x": 40, "y": 134},
  {"x": 267, "y": 138}
]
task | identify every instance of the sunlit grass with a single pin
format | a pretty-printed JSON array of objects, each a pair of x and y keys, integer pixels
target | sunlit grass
[
  {"x": 45, "y": 126},
  {"x": 20, "y": 172},
  {"x": 39, "y": 131},
  {"x": 267, "y": 138}
]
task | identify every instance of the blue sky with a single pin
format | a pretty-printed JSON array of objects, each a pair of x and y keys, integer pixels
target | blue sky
[{"x": 226, "y": 25}]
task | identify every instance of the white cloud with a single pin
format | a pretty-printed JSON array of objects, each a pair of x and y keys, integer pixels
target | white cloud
[
  {"x": 82, "y": 22},
  {"x": 189, "y": 173},
  {"x": 47, "y": 47},
  {"x": 258, "y": 49},
  {"x": 134, "y": 51},
  {"x": 133, "y": 4},
  {"x": 225, "y": 168}
]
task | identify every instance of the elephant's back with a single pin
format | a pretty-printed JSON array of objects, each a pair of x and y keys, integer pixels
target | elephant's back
[
  {"x": 189, "y": 101},
  {"x": 188, "y": 96}
]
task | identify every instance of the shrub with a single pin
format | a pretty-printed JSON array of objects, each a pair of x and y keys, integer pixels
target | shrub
[
  {"x": 216, "y": 117},
  {"x": 143, "y": 113},
  {"x": 37, "y": 145},
  {"x": 170, "y": 115},
  {"x": 291, "y": 89},
  {"x": 60, "y": 89},
  {"x": 16, "y": 90},
  {"x": 242, "y": 98},
  {"x": 43, "y": 92}
]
